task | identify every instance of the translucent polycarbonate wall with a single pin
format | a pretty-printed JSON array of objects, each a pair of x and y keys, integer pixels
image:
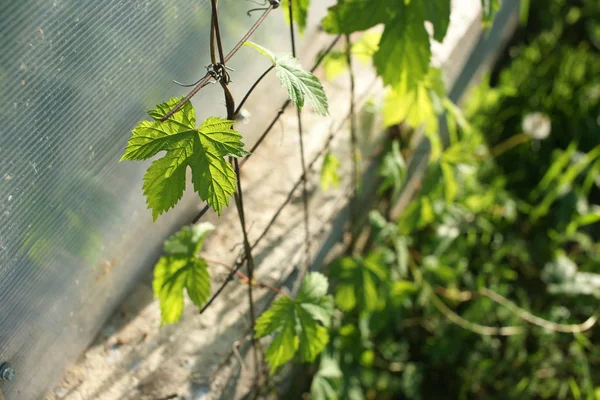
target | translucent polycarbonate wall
[{"x": 75, "y": 77}]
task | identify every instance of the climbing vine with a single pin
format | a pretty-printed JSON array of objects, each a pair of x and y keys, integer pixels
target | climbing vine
[{"x": 214, "y": 151}]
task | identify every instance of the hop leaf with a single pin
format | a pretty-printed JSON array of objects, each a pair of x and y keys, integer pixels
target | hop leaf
[
  {"x": 330, "y": 171},
  {"x": 357, "y": 15},
  {"x": 300, "y": 85},
  {"x": 404, "y": 49},
  {"x": 299, "y": 324},
  {"x": 181, "y": 269},
  {"x": 203, "y": 150}
]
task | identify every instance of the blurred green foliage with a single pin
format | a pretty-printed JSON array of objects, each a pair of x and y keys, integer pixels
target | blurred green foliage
[{"x": 487, "y": 285}]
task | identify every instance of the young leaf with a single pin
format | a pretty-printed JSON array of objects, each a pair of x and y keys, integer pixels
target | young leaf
[
  {"x": 181, "y": 269},
  {"x": 203, "y": 150},
  {"x": 329, "y": 171},
  {"x": 299, "y": 324},
  {"x": 300, "y": 85},
  {"x": 300, "y": 12}
]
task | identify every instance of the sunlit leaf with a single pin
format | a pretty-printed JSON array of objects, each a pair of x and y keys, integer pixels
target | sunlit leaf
[
  {"x": 418, "y": 105},
  {"x": 299, "y": 325},
  {"x": 300, "y": 84},
  {"x": 181, "y": 269},
  {"x": 357, "y": 15},
  {"x": 203, "y": 150}
]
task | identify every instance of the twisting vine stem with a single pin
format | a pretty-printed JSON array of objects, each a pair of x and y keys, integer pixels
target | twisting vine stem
[
  {"x": 269, "y": 128},
  {"x": 204, "y": 81},
  {"x": 302, "y": 161},
  {"x": 239, "y": 199}
]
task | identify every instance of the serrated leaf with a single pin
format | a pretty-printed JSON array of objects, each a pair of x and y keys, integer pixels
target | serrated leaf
[
  {"x": 300, "y": 9},
  {"x": 298, "y": 324},
  {"x": 300, "y": 85},
  {"x": 404, "y": 50},
  {"x": 359, "y": 281},
  {"x": 330, "y": 176},
  {"x": 180, "y": 269},
  {"x": 357, "y": 15},
  {"x": 312, "y": 337},
  {"x": 203, "y": 150}
]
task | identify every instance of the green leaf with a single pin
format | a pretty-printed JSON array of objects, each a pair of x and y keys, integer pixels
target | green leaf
[
  {"x": 335, "y": 62},
  {"x": 327, "y": 381},
  {"x": 359, "y": 281},
  {"x": 392, "y": 171},
  {"x": 188, "y": 241},
  {"x": 300, "y": 85},
  {"x": 417, "y": 215},
  {"x": 330, "y": 176},
  {"x": 404, "y": 50},
  {"x": 438, "y": 13},
  {"x": 203, "y": 150},
  {"x": 450, "y": 184},
  {"x": 418, "y": 105},
  {"x": 357, "y": 15},
  {"x": 181, "y": 269},
  {"x": 366, "y": 46},
  {"x": 298, "y": 325},
  {"x": 300, "y": 9}
]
